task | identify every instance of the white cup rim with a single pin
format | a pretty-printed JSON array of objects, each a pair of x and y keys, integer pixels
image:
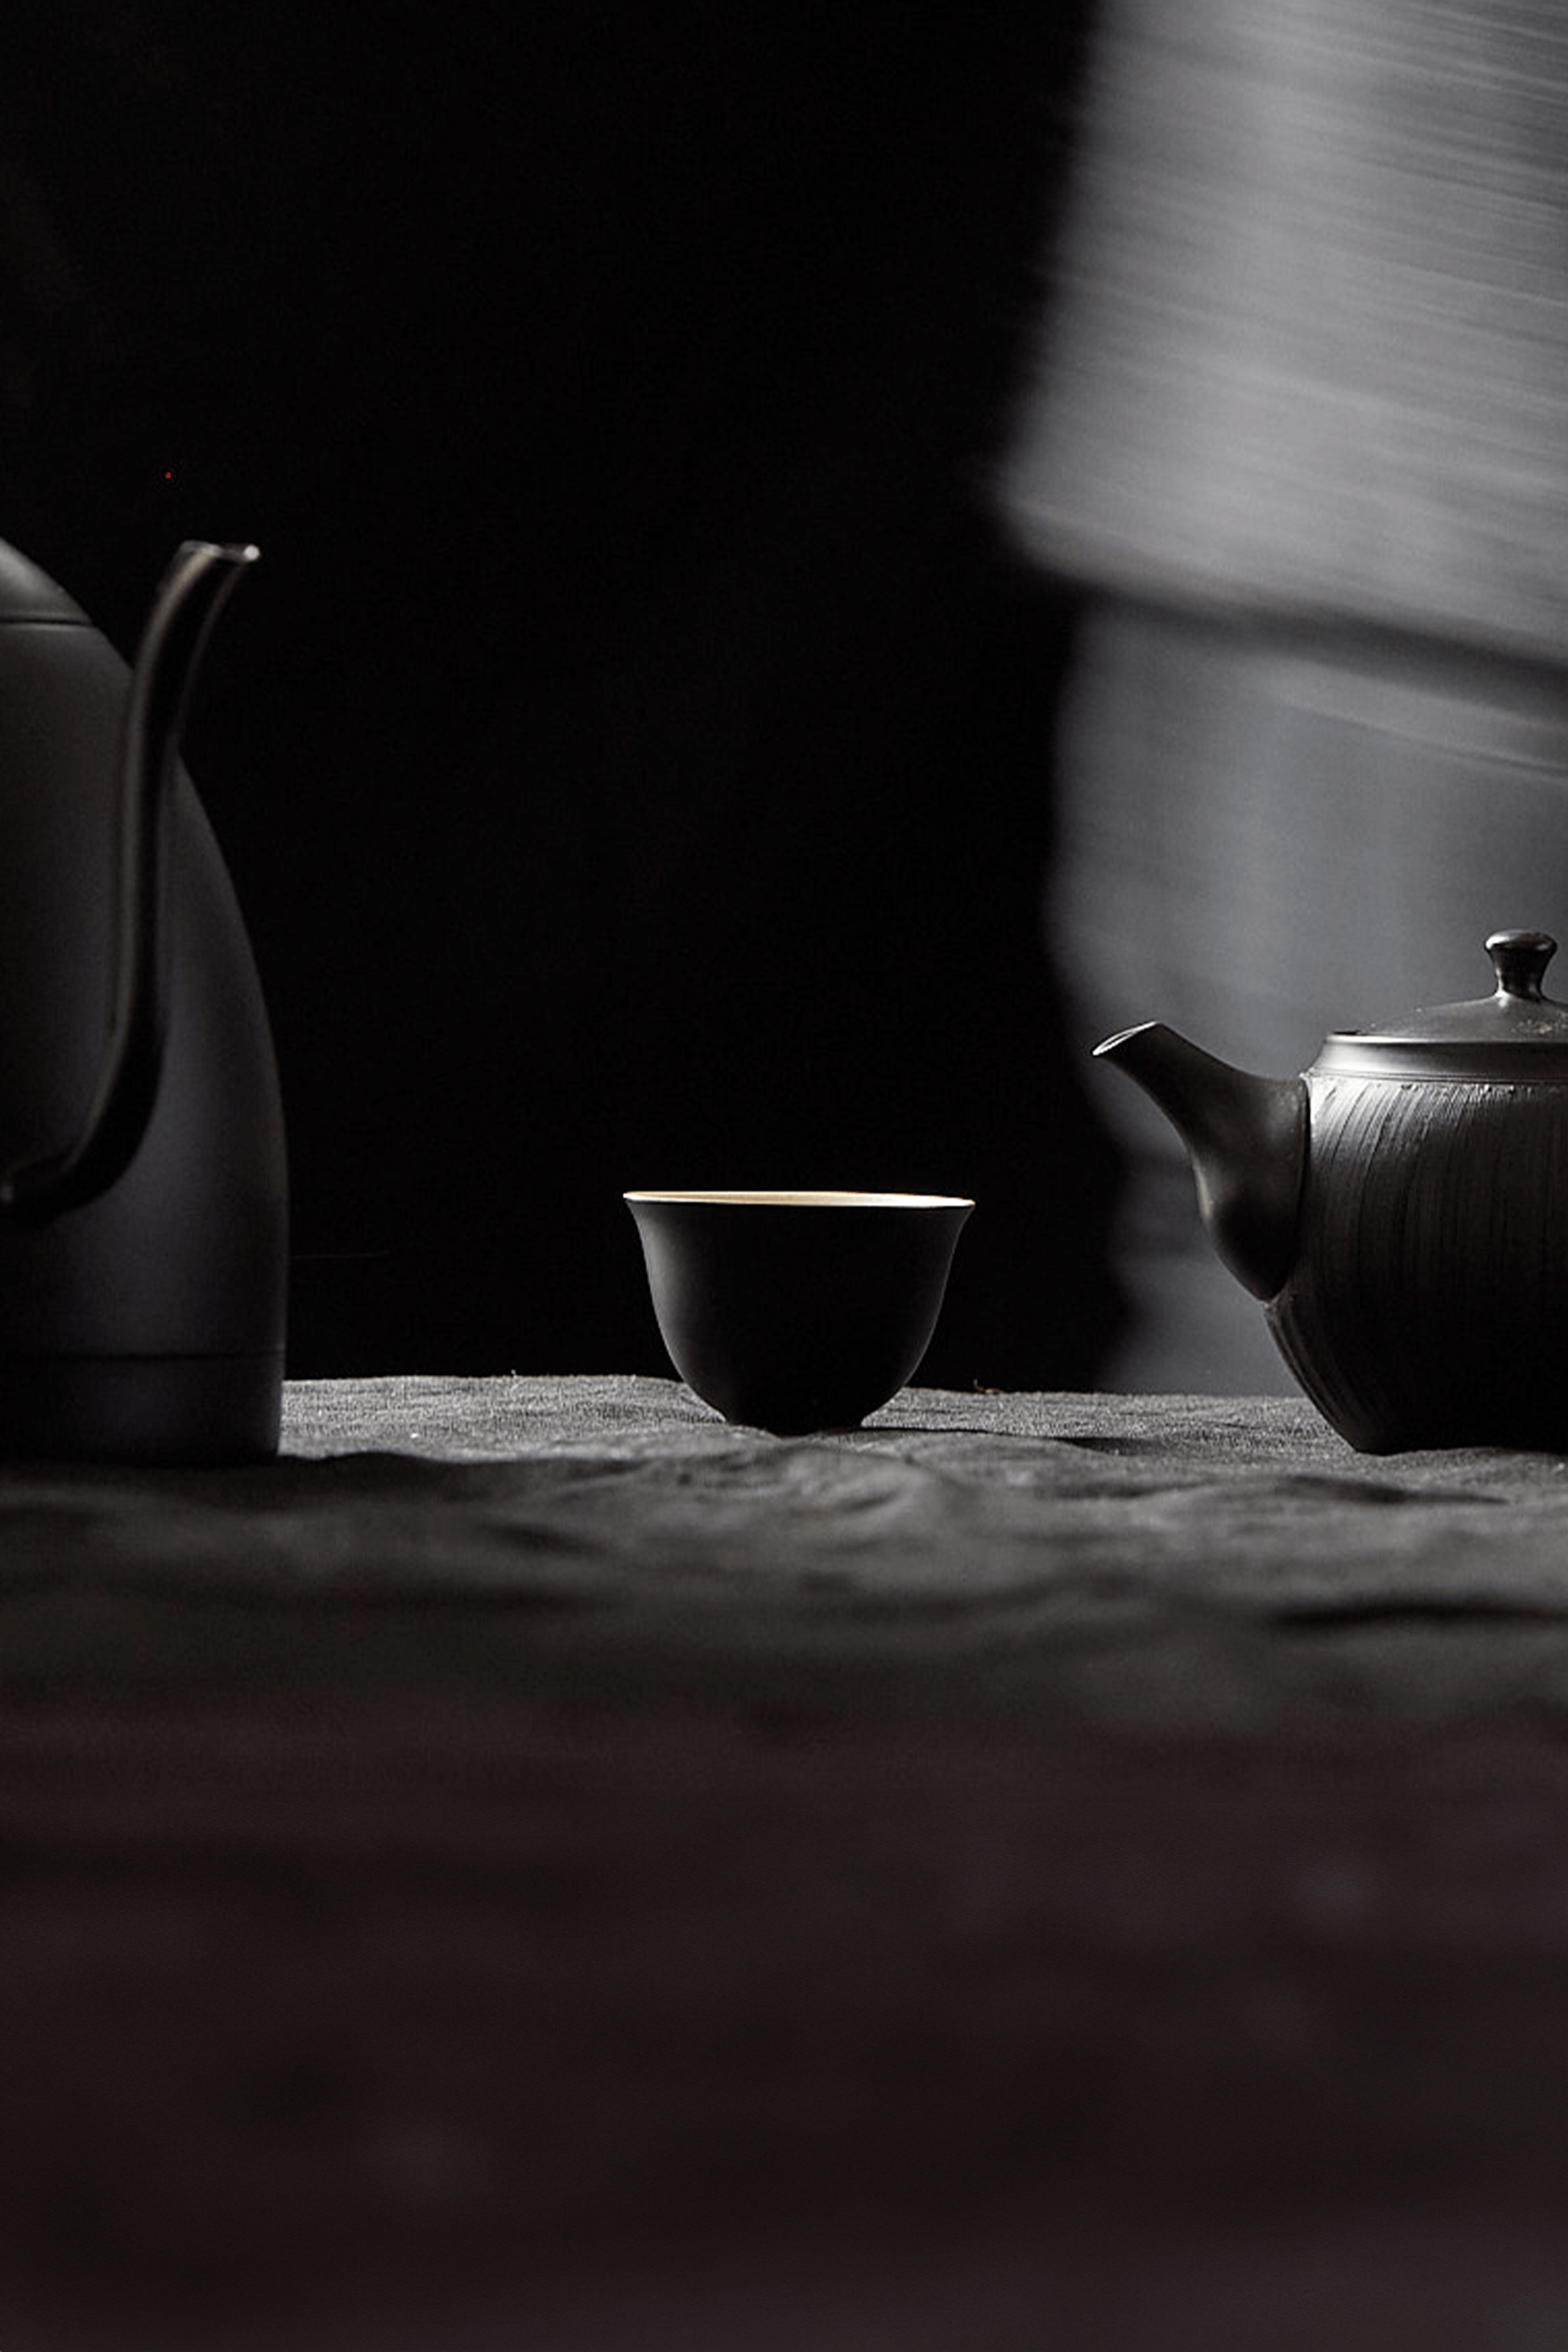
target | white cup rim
[{"x": 814, "y": 1199}]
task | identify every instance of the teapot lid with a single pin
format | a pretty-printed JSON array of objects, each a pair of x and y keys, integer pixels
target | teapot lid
[{"x": 1516, "y": 1033}]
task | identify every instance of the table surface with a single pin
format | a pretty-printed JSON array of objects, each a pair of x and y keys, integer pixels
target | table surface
[{"x": 536, "y": 1865}]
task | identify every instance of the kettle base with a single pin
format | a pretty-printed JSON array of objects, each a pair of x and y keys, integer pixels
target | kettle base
[{"x": 169, "y": 1410}]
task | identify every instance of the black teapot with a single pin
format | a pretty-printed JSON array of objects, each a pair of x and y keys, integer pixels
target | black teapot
[
  {"x": 143, "y": 1179},
  {"x": 1402, "y": 1208}
]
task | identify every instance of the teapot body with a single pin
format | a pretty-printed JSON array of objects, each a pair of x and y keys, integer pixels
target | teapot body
[
  {"x": 1427, "y": 1305},
  {"x": 1402, "y": 1209},
  {"x": 147, "y": 1323}
]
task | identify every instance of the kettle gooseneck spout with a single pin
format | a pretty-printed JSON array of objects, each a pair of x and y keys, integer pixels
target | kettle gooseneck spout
[
  {"x": 193, "y": 593},
  {"x": 1247, "y": 1139}
]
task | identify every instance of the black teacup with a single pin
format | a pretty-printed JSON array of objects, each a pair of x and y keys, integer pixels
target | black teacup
[{"x": 797, "y": 1311}]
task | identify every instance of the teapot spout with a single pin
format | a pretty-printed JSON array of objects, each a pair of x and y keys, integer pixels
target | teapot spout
[
  {"x": 194, "y": 591},
  {"x": 1247, "y": 1139}
]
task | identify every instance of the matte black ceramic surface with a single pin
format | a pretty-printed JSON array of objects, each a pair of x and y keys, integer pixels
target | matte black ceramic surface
[
  {"x": 142, "y": 1181},
  {"x": 1402, "y": 1208},
  {"x": 797, "y": 1311}
]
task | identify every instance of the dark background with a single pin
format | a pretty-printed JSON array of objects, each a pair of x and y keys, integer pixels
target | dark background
[{"x": 634, "y": 750}]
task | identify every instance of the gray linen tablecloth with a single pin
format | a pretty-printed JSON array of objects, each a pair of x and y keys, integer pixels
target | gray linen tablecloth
[{"x": 535, "y": 1867}]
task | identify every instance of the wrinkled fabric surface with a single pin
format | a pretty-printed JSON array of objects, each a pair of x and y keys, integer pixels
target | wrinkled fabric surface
[
  {"x": 1009, "y": 1555},
  {"x": 536, "y": 1865}
]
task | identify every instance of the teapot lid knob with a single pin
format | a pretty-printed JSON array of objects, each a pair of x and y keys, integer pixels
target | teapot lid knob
[{"x": 1519, "y": 959}]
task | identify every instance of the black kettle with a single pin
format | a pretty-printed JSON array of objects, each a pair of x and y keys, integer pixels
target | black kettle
[{"x": 143, "y": 1186}]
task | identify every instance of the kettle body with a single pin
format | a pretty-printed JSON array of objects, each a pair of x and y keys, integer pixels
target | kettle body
[{"x": 143, "y": 1186}]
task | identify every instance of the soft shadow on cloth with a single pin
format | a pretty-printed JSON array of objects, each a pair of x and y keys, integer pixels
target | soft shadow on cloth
[{"x": 1023, "y": 1554}]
